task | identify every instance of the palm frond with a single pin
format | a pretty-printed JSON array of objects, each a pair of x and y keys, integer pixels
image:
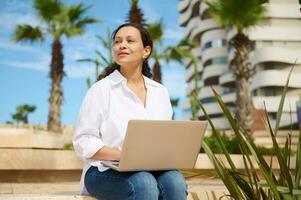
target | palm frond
[
  {"x": 104, "y": 42},
  {"x": 73, "y": 31},
  {"x": 87, "y": 20},
  {"x": 48, "y": 9},
  {"x": 25, "y": 32},
  {"x": 281, "y": 104},
  {"x": 75, "y": 12},
  {"x": 78, "y": 28},
  {"x": 102, "y": 57},
  {"x": 156, "y": 31},
  {"x": 239, "y": 14}
]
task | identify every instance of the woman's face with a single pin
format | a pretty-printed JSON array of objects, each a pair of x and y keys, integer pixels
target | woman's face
[{"x": 128, "y": 47}]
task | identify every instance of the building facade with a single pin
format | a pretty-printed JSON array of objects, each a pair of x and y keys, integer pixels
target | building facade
[{"x": 276, "y": 48}]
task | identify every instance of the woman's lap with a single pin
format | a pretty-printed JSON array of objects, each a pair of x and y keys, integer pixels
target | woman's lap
[{"x": 142, "y": 185}]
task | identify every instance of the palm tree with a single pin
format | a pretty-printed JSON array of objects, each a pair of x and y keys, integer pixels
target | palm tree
[
  {"x": 101, "y": 61},
  {"x": 156, "y": 31},
  {"x": 23, "y": 112},
  {"x": 239, "y": 14},
  {"x": 135, "y": 14},
  {"x": 60, "y": 20}
]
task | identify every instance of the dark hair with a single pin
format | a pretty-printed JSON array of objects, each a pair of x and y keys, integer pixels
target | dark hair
[{"x": 146, "y": 40}]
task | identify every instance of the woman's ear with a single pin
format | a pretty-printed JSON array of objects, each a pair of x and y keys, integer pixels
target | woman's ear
[{"x": 147, "y": 52}]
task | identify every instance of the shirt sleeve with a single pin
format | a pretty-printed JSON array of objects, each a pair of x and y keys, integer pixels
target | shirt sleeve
[
  {"x": 169, "y": 110},
  {"x": 86, "y": 139}
]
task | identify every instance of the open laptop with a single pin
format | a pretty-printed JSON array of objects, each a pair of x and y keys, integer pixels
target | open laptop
[{"x": 160, "y": 145}]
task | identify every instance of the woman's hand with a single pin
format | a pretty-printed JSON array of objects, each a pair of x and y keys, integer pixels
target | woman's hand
[{"x": 107, "y": 153}]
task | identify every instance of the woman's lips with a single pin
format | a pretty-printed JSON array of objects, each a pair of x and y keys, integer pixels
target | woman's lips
[{"x": 123, "y": 54}]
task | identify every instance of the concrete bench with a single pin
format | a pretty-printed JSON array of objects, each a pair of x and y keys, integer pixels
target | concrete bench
[{"x": 30, "y": 160}]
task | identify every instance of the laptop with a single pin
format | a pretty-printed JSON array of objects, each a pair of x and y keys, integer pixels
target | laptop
[{"x": 160, "y": 145}]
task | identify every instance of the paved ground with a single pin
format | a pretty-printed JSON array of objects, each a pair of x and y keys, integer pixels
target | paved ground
[{"x": 199, "y": 190}]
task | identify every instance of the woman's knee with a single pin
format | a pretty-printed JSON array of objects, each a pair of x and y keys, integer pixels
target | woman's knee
[
  {"x": 114, "y": 185},
  {"x": 172, "y": 183},
  {"x": 144, "y": 184}
]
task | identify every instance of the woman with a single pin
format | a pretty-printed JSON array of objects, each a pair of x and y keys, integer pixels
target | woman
[{"x": 125, "y": 93}]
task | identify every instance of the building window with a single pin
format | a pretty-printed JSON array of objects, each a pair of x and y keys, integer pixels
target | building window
[
  {"x": 217, "y": 60},
  {"x": 214, "y": 43},
  {"x": 208, "y": 100},
  {"x": 270, "y": 91},
  {"x": 228, "y": 90}
]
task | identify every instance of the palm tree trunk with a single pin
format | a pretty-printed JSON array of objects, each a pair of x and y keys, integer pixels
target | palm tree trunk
[
  {"x": 56, "y": 93},
  {"x": 157, "y": 76},
  {"x": 26, "y": 119},
  {"x": 243, "y": 72}
]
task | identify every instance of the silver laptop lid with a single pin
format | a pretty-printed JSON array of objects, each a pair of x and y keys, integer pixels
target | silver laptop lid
[{"x": 161, "y": 144}]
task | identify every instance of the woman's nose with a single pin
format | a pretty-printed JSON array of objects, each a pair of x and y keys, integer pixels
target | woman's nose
[{"x": 122, "y": 45}]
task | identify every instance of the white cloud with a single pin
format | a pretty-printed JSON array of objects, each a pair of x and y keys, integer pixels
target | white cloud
[
  {"x": 11, "y": 46},
  {"x": 79, "y": 71},
  {"x": 75, "y": 70},
  {"x": 9, "y": 20},
  {"x": 40, "y": 65}
]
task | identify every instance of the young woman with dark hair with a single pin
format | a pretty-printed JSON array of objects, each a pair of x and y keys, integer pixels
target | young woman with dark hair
[{"x": 125, "y": 93}]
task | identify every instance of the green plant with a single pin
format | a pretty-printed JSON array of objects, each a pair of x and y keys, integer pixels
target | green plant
[
  {"x": 22, "y": 113},
  {"x": 247, "y": 184},
  {"x": 232, "y": 145},
  {"x": 68, "y": 146}
]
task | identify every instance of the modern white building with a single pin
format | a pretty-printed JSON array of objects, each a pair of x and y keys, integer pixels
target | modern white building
[{"x": 277, "y": 46}]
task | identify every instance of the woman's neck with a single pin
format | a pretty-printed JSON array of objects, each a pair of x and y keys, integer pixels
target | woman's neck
[{"x": 132, "y": 74}]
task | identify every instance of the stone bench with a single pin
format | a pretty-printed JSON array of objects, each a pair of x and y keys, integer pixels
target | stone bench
[
  {"x": 69, "y": 191},
  {"x": 31, "y": 159}
]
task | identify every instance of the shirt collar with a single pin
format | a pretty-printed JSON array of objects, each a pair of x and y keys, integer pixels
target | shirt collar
[{"x": 117, "y": 78}]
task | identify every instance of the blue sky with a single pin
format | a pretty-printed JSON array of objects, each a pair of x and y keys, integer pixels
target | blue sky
[{"x": 24, "y": 67}]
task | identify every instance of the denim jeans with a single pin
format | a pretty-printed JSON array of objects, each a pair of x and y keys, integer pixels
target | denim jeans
[{"x": 143, "y": 185}]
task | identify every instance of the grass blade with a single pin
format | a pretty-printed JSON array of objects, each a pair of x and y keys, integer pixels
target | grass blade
[
  {"x": 283, "y": 168},
  {"x": 220, "y": 142},
  {"x": 223, "y": 174},
  {"x": 244, "y": 185},
  {"x": 264, "y": 168},
  {"x": 281, "y": 104}
]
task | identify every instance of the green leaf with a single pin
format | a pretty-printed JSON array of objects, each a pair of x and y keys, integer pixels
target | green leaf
[
  {"x": 223, "y": 174},
  {"x": 244, "y": 185},
  {"x": 239, "y": 14},
  {"x": 75, "y": 12},
  {"x": 156, "y": 31},
  {"x": 217, "y": 134},
  {"x": 264, "y": 168},
  {"x": 48, "y": 9},
  {"x": 283, "y": 167},
  {"x": 25, "y": 32},
  {"x": 281, "y": 104},
  {"x": 102, "y": 57}
]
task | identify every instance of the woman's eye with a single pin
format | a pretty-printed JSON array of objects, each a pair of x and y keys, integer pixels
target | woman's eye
[
  {"x": 116, "y": 42},
  {"x": 130, "y": 41}
]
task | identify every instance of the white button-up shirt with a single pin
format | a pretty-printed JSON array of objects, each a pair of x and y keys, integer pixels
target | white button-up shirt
[{"x": 106, "y": 109}]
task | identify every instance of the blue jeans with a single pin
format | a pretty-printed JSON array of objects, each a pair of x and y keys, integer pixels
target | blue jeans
[{"x": 110, "y": 184}]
